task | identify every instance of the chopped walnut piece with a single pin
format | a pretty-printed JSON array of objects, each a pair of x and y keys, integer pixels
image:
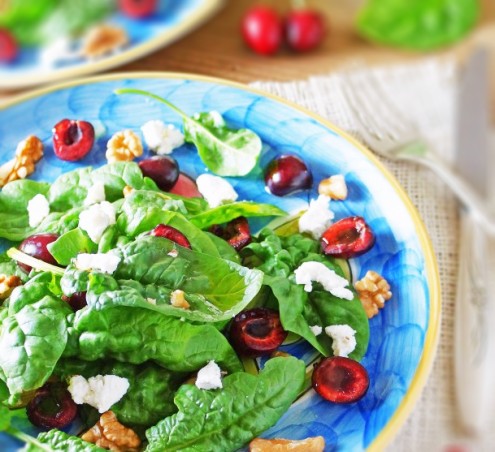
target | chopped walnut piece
[
  {"x": 7, "y": 285},
  {"x": 127, "y": 190},
  {"x": 279, "y": 354},
  {"x": 178, "y": 300},
  {"x": 28, "y": 152},
  {"x": 124, "y": 146},
  {"x": 110, "y": 434},
  {"x": 316, "y": 444},
  {"x": 102, "y": 40},
  {"x": 373, "y": 291},
  {"x": 334, "y": 186}
]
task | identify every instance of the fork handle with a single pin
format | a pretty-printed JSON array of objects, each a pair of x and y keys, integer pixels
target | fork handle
[{"x": 465, "y": 193}]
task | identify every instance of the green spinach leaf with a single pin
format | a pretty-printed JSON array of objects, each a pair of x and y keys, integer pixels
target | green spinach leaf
[
  {"x": 225, "y": 419},
  {"x": 149, "y": 397},
  {"x": 418, "y": 25},
  {"x": 138, "y": 335},
  {"x": 55, "y": 441},
  {"x": 224, "y": 248},
  {"x": 70, "y": 244},
  {"x": 227, "y": 212},
  {"x": 226, "y": 152},
  {"x": 31, "y": 341}
]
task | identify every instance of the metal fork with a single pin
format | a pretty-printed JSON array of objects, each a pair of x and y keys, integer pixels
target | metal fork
[{"x": 389, "y": 134}]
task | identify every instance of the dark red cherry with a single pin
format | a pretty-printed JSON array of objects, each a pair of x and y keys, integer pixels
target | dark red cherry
[
  {"x": 8, "y": 47},
  {"x": 37, "y": 246},
  {"x": 287, "y": 174},
  {"x": 305, "y": 29},
  {"x": 162, "y": 169},
  {"x": 171, "y": 233},
  {"x": 186, "y": 187},
  {"x": 340, "y": 380},
  {"x": 256, "y": 332},
  {"x": 76, "y": 301},
  {"x": 52, "y": 407},
  {"x": 262, "y": 29},
  {"x": 238, "y": 233},
  {"x": 72, "y": 140},
  {"x": 138, "y": 9},
  {"x": 348, "y": 238}
]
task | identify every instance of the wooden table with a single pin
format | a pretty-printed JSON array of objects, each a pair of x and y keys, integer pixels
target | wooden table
[{"x": 216, "y": 49}]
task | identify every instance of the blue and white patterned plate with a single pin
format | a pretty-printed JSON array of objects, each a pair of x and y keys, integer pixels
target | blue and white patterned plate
[
  {"x": 173, "y": 19},
  {"x": 403, "y": 335}
]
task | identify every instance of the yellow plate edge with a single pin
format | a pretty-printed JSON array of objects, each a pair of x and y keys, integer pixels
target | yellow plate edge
[
  {"x": 197, "y": 18},
  {"x": 433, "y": 333}
]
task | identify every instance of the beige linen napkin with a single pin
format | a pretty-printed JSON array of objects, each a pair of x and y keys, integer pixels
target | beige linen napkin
[{"x": 425, "y": 91}]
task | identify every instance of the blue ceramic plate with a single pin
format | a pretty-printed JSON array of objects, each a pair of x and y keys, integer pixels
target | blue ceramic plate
[
  {"x": 173, "y": 19},
  {"x": 403, "y": 335}
]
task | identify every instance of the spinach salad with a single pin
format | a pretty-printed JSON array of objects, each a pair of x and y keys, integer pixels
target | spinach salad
[{"x": 161, "y": 297}]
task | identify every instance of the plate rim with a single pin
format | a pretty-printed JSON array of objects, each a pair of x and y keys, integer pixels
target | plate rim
[
  {"x": 199, "y": 16},
  {"x": 432, "y": 275}
]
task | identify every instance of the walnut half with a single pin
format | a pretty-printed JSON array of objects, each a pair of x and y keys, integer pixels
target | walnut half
[
  {"x": 373, "y": 291},
  {"x": 28, "y": 152},
  {"x": 102, "y": 40},
  {"x": 316, "y": 444},
  {"x": 124, "y": 146},
  {"x": 110, "y": 434},
  {"x": 7, "y": 285}
]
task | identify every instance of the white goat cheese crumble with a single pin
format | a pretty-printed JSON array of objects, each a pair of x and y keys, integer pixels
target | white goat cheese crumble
[
  {"x": 38, "y": 209},
  {"x": 96, "y": 194},
  {"x": 316, "y": 329},
  {"x": 318, "y": 272},
  {"x": 344, "y": 342},
  {"x": 105, "y": 263},
  {"x": 96, "y": 219},
  {"x": 216, "y": 190},
  {"x": 161, "y": 138},
  {"x": 217, "y": 118},
  {"x": 209, "y": 377},
  {"x": 318, "y": 218},
  {"x": 101, "y": 392}
]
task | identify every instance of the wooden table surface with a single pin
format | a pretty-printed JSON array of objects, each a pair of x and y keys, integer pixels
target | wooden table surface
[{"x": 216, "y": 49}]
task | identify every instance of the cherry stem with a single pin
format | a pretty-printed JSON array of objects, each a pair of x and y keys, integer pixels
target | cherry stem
[
  {"x": 299, "y": 4},
  {"x": 37, "y": 264}
]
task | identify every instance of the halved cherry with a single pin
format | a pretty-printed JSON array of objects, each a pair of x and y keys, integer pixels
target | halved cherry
[
  {"x": 36, "y": 246},
  {"x": 76, "y": 301},
  {"x": 340, "y": 380},
  {"x": 238, "y": 233},
  {"x": 256, "y": 332},
  {"x": 72, "y": 140},
  {"x": 8, "y": 47},
  {"x": 348, "y": 238},
  {"x": 186, "y": 187},
  {"x": 52, "y": 407},
  {"x": 171, "y": 233}
]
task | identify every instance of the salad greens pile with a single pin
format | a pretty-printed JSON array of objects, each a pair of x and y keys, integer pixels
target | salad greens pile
[
  {"x": 38, "y": 22},
  {"x": 157, "y": 346}
]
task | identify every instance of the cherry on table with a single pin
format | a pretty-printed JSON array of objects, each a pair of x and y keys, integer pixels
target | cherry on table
[
  {"x": 305, "y": 29},
  {"x": 350, "y": 237},
  {"x": 72, "y": 139},
  {"x": 52, "y": 407},
  {"x": 340, "y": 380},
  {"x": 255, "y": 332},
  {"x": 262, "y": 29},
  {"x": 287, "y": 174},
  {"x": 185, "y": 186},
  {"x": 171, "y": 233},
  {"x": 138, "y": 9},
  {"x": 8, "y": 47},
  {"x": 162, "y": 169},
  {"x": 37, "y": 247}
]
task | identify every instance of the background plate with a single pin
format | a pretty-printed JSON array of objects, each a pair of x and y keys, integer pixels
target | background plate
[
  {"x": 173, "y": 19},
  {"x": 403, "y": 335}
]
